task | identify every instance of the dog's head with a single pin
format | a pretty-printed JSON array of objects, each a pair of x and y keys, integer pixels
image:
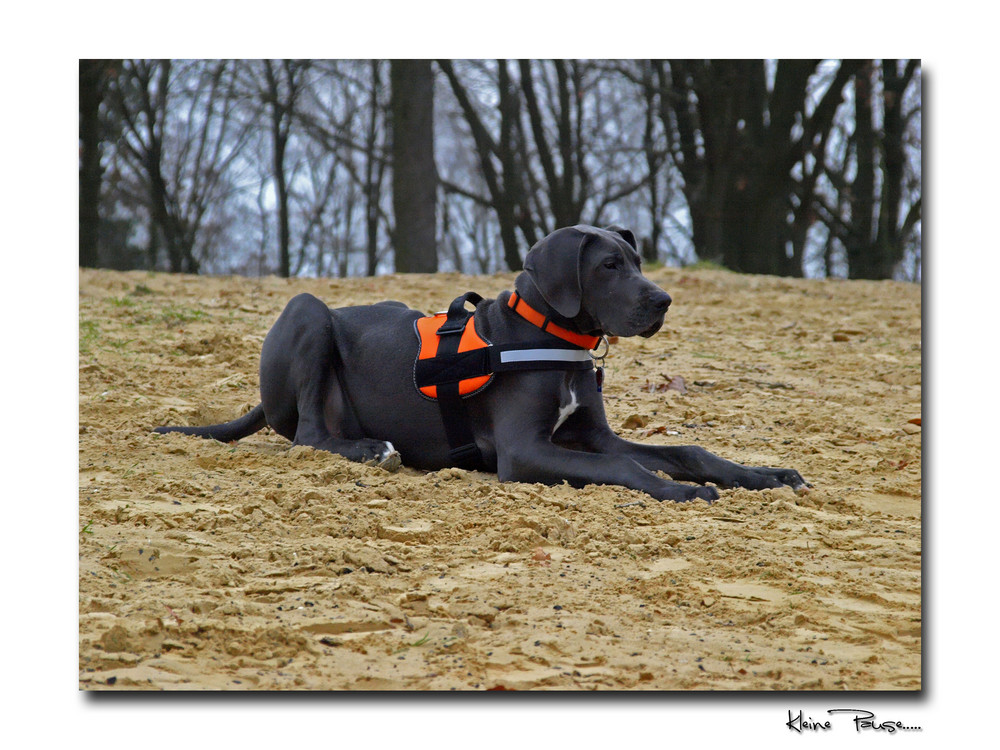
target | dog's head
[{"x": 592, "y": 277}]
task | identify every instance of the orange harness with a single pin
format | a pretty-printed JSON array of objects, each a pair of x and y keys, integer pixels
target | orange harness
[
  {"x": 428, "y": 333},
  {"x": 454, "y": 362}
]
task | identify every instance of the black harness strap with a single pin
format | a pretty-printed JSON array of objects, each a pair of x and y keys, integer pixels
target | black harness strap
[
  {"x": 464, "y": 452},
  {"x": 449, "y": 367}
]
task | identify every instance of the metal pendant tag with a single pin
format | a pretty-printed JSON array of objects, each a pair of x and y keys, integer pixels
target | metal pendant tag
[{"x": 599, "y": 361}]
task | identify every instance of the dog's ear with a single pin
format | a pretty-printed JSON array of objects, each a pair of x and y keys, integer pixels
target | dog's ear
[
  {"x": 625, "y": 234},
  {"x": 553, "y": 266}
]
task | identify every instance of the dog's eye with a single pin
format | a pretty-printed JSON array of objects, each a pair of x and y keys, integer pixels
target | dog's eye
[{"x": 613, "y": 262}]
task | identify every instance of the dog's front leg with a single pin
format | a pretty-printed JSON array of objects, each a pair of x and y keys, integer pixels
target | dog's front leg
[
  {"x": 588, "y": 430},
  {"x": 541, "y": 461},
  {"x": 692, "y": 463}
]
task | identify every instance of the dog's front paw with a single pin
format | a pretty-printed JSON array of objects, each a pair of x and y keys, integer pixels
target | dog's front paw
[
  {"x": 766, "y": 478},
  {"x": 786, "y": 477},
  {"x": 709, "y": 494},
  {"x": 685, "y": 494}
]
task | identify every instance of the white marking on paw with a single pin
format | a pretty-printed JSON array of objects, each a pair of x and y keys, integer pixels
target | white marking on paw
[
  {"x": 389, "y": 450},
  {"x": 566, "y": 409}
]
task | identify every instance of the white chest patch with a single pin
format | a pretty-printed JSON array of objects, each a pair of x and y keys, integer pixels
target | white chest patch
[{"x": 566, "y": 409}]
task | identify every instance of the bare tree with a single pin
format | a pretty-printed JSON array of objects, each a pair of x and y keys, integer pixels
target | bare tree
[
  {"x": 503, "y": 187},
  {"x": 282, "y": 85},
  {"x": 737, "y": 139},
  {"x": 180, "y": 138},
  {"x": 785, "y": 167},
  {"x": 869, "y": 218},
  {"x": 555, "y": 149},
  {"x": 94, "y": 75},
  {"x": 349, "y": 120}
]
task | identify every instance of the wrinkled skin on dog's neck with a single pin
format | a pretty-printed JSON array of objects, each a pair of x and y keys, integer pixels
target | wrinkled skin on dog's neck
[
  {"x": 607, "y": 271},
  {"x": 583, "y": 323}
]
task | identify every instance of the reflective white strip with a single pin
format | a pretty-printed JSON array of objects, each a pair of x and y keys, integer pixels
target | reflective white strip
[{"x": 536, "y": 355}]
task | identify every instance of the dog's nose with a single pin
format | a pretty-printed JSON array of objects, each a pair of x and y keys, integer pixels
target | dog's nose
[{"x": 660, "y": 301}]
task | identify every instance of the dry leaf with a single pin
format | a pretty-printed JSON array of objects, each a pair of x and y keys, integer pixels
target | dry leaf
[
  {"x": 677, "y": 384},
  {"x": 652, "y": 431}
]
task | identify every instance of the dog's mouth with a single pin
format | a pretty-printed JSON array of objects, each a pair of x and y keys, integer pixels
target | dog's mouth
[
  {"x": 635, "y": 329},
  {"x": 652, "y": 329}
]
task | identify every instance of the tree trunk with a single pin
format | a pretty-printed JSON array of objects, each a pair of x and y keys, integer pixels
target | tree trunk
[
  {"x": 91, "y": 91},
  {"x": 737, "y": 145},
  {"x": 511, "y": 201},
  {"x": 565, "y": 181},
  {"x": 486, "y": 148},
  {"x": 374, "y": 166},
  {"x": 152, "y": 158},
  {"x": 892, "y": 234},
  {"x": 876, "y": 234},
  {"x": 860, "y": 258},
  {"x": 757, "y": 230},
  {"x": 279, "y": 141},
  {"x": 414, "y": 174},
  {"x": 650, "y": 248}
]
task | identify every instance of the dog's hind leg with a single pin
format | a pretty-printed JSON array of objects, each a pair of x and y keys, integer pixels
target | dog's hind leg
[
  {"x": 322, "y": 413},
  {"x": 300, "y": 388}
]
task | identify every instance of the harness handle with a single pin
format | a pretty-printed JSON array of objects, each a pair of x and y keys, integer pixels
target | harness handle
[{"x": 457, "y": 314}]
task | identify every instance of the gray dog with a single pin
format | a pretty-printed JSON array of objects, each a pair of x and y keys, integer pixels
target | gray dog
[{"x": 515, "y": 391}]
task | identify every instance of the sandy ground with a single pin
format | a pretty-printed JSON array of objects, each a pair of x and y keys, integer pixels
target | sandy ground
[{"x": 261, "y": 566}]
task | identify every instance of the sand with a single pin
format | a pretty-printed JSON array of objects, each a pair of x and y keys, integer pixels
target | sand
[{"x": 257, "y": 565}]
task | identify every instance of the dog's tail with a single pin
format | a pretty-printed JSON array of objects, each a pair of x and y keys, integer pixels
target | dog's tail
[{"x": 248, "y": 424}]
